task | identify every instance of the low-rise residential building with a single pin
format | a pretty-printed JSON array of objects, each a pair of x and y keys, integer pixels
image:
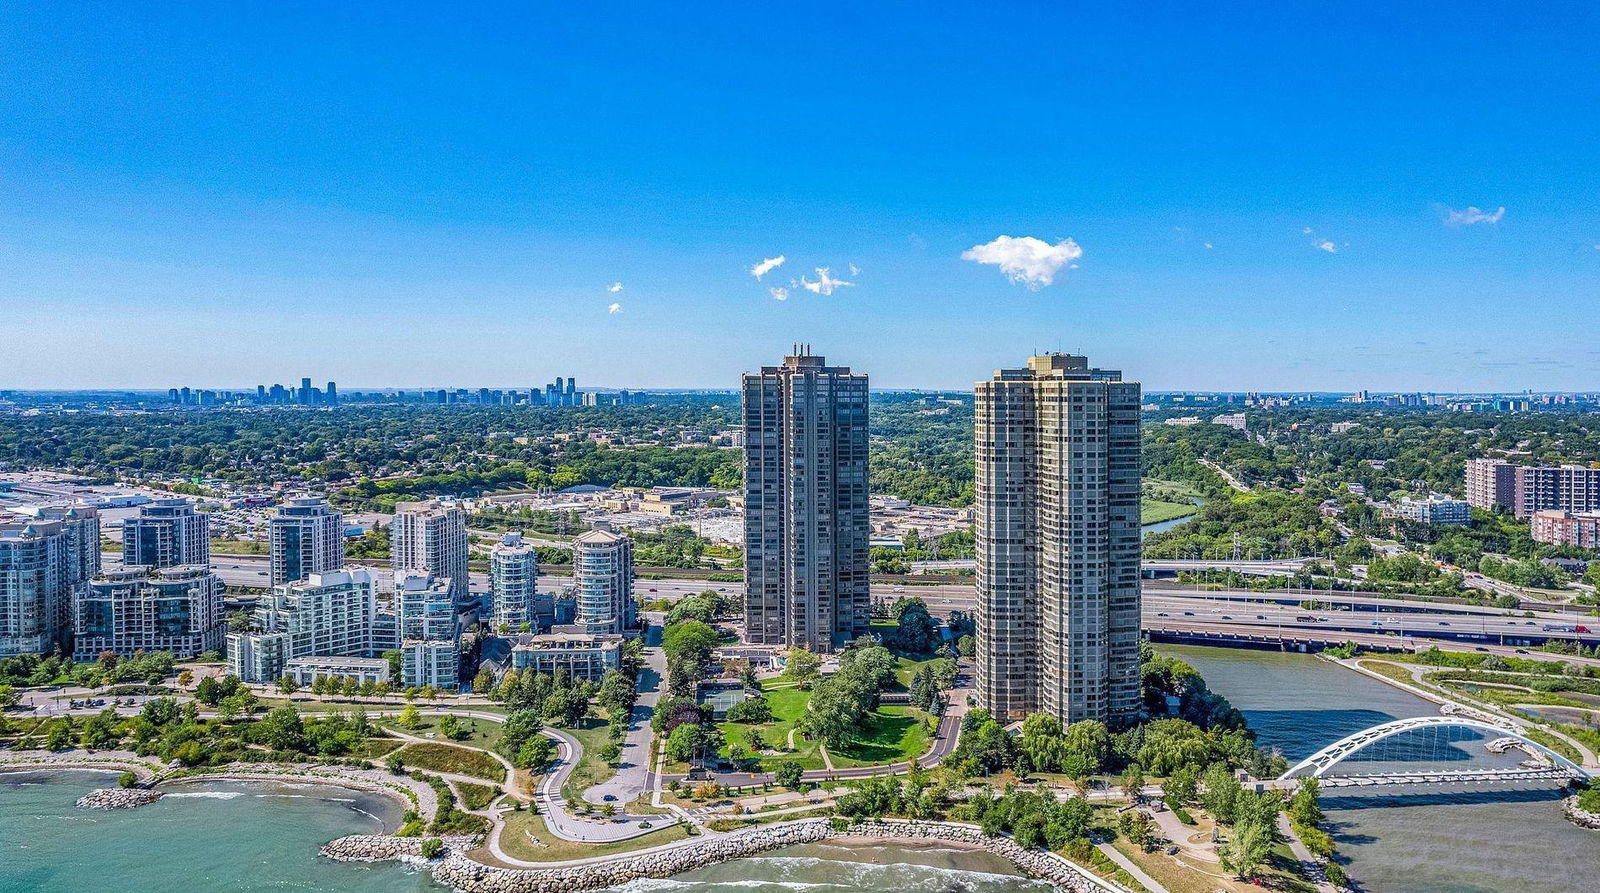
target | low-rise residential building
[
  {"x": 176, "y": 609},
  {"x": 306, "y": 670},
  {"x": 1563, "y": 528},
  {"x": 580, "y": 654},
  {"x": 1436, "y": 509}
]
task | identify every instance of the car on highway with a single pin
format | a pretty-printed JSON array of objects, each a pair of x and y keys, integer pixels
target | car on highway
[
  {"x": 1261, "y": 617},
  {"x": 1188, "y": 613},
  {"x": 1226, "y": 617},
  {"x": 1161, "y": 614},
  {"x": 1444, "y": 623}
]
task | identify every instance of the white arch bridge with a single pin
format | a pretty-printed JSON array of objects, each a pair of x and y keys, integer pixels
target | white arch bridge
[{"x": 1318, "y": 764}]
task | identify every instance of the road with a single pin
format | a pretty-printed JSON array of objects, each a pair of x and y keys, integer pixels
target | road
[{"x": 635, "y": 776}]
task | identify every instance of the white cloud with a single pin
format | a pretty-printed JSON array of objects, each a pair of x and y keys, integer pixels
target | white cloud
[
  {"x": 825, "y": 284},
  {"x": 614, "y": 287},
  {"x": 1473, "y": 215},
  {"x": 779, "y": 293},
  {"x": 1208, "y": 246},
  {"x": 855, "y": 270},
  {"x": 614, "y": 309},
  {"x": 1328, "y": 246},
  {"x": 1026, "y": 260},
  {"x": 1307, "y": 231},
  {"x": 767, "y": 266}
]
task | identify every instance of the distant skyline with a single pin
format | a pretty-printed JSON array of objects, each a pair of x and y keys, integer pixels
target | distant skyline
[{"x": 1289, "y": 197}]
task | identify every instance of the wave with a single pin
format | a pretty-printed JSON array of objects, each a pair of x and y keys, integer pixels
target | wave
[{"x": 205, "y": 795}]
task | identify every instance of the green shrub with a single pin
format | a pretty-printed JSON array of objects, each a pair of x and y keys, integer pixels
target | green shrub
[{"x": 432, "y": 847}]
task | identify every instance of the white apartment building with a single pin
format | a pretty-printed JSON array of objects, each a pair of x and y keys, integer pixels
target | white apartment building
[
  {"x": 430, "y": 630},
  {"x": 602, "y": 572},
  {"x": 1436, "y": 509},
  {"x": 326, "y": 615},
  {"x": 431, "y": 536},
  {"x": 176, "y": 609},
  {"x": 307, "y": 537},
  {"x": 35, "y": 588},
  {"x": 584, "y": 656},
  {"x": 514, "y": 584}
]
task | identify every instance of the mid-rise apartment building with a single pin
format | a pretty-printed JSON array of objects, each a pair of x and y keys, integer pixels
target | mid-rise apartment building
[
  {"x": 602, "y": 577},
  {"x": 1525, "y": 489},
  {"x": 307, "y": 537},
  {"x": 1563, "y": 528},
  {"x": 166, "y": 533},
  {"x": 431, "y": 536},
  {"x": 176, "y": 609},
  {"x": 430, "y": 630},
  {"x": 807, "y": 526},
  {"x": 514, "y": 584},
  {"x": 1057, "y": 484},
  {"x": 582, "y": 655},
  {"x": 331, "y": 614},
  {"x": 1435, "y": 509}
]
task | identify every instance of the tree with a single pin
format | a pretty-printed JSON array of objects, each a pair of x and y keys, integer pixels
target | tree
[
  {"x": 1303, "y": 806},
  {"x": 395, "y": 765},
  {"x": 1181, "y": 787},
  {"x": 750, "y": 711},
  {"x": 208, "y": 692},
  {"x": 1221, "y": 793},
  {"x": 410, "y": 718},
  {"x": 1135, "y": 825},
  {"x": 802, "y": 666},
  {"x": 788, "y": 774},
  {"x": 9, "y": 696},
  {"x": 282, "y": 729},
  {"x": 917, "y": 632},
  {"x": 483, "y": 683},
  {"x": 685, "y": 743},
  {"x": 1248, "y": 848},
  {"x": 451, "y": 728},
  {"x": 967, "y": 646},
  {"x": 609, "y": 753},
  {"x": 287, "y": 685},
  {"x": 1133, "y": 782},
  {"x": 535, "y": 753}
]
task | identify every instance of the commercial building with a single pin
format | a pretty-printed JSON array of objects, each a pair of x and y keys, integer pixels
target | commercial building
[
  {"x": 176, "y": 609},
  {"x": 431, "y": 536},
  {"x": 1525, "y": 489},
  {"x": 35, "y": 587},
  {"x": 307, "y": 537},
  {"x": 430, "y": 630},
  {"x": 1436, "y": 509},
  {"x": 513, "y": 584},
  {"x": 1563, "y": 528},
  {"x": 1057, "y": 537},
  {"x": 166, "y": 533},
  {"x": 602, "y": 576},
  {"x": 807, "y": 526},
  {"x": 584, "y": 656}
]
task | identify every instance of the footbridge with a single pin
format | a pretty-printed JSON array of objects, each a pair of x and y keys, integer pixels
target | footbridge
[{"x": 1320, "y": 764}]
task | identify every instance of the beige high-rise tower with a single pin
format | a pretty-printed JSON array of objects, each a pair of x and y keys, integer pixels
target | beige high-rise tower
[
  {"x": 1057, "y": 487},
  {"x": 807, "y": 528}
]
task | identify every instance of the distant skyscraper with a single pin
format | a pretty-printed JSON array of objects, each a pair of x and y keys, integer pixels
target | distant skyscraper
[
  {"x": 307, "y": 537},
  {"x": 331, "y": 397},
  {"x": 166, "y": 533},
  {"x": 513, "y": 582},
  {"x": 807, "y": 528},
  {"x": 431, "y": 536},
  {"x": 1057, "y": 487},
  {"x": 430, "y": 630},
  {"x": 602, "y": 574}
]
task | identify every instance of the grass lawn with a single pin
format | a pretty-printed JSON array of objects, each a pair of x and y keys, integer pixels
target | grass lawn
[
  {"x": 891, "y": 734},
  {"x": 375, "y": 748},
  {"x": 432, "y": 756},
  {"x": 908, "y": 667},
  {"x": 788, "y": 705},
  {"x": 591, "y": 770},
  {"x": 1154, "y": 511},
  {"x": 526, "y": 837},
  {"x": 482, "y": 733}
]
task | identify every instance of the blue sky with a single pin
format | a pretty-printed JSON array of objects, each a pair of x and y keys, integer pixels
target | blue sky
[{"x": 444, "y": 195}]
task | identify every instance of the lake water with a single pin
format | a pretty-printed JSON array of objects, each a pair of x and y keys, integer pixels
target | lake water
[
  {"x": 226, "y": 837},
  {"x": 1413, "y": 839}
]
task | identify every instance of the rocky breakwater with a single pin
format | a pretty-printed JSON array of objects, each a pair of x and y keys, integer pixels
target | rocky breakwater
[
  {"x": 1579, "y": 816},
  {"x": 475, "y": 877},
  {"x": 118, "y": 798},
  {"x": 1037, "y": 863},
  {"x": 383, "y": 847}
]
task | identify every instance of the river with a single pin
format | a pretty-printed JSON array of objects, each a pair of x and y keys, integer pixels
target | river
[{"x": 1415, "y": 840}]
